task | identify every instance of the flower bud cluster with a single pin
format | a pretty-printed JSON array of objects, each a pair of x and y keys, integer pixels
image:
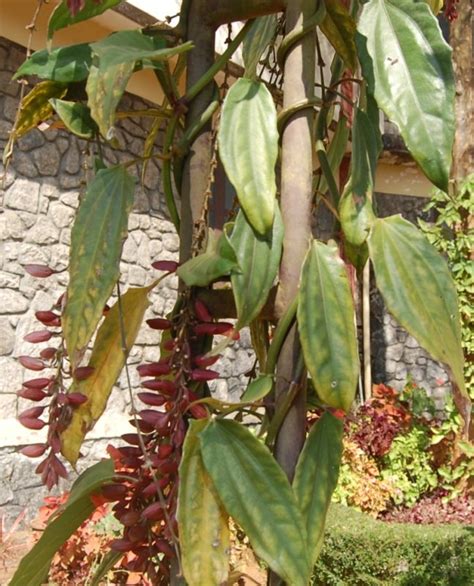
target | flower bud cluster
[{"x": 53, "y": 405}]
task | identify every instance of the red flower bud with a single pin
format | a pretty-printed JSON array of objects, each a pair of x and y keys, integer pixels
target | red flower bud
[
  {"x": 204, "y": 375},
  {"x": 152, "y": 488},
  {"x": 152, "y": 399},
  {"x": 169, "y": 345},
  {"x": 114, "y": 492},
  {"x": 213, "y": 329},
  {"x": 201, "y": 311},
  {"x": 33, "y": 451},
  {"x": 153, "y": 512},
  {"x": 165, "y": 450},
  {"x": 76, "y": 399},
  {"x": 83, "y": 372},
  {"x": 39, "y": 271},
  {"x": 169, "y": 266},
  {"x": 48, "y": 353},
  {"x": 31, "y": 423},
  {"x": 199, "y": 411},
  {"x": 31, "y": 363},
  {"x": 129, "y": 518},
  {"x": 143, "y": 426},
  {"x": 166, "y": 387},
  {"x": 154, "y": 369},
  {"x": 37, "y": 337},
  {"x": 32, "y": 394},
  {"x": 137, "y": 533},
  {"x": 159, "y": 323},
  {"x": 165, "y": 548},
  {"x": 33, "y": 412},
  {"x": 204, "y": 361},
  {"x": 59, "y": 467},
  {"x": 158, "y": 419},
  {"x": 48, "y": 318},
  {"x": 37, "y": 383}
]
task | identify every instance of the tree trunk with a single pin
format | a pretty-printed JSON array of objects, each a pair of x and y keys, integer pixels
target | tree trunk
[{"x": 461, "y": 39}]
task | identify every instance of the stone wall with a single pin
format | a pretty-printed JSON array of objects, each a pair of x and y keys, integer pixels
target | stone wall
[{"x": 39, "y": 198}]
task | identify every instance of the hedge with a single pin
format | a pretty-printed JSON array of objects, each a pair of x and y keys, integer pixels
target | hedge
[{"x": 361, "y": 551}]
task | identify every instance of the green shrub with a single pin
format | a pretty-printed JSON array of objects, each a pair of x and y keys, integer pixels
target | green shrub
[{"x": 360, "y": 551}]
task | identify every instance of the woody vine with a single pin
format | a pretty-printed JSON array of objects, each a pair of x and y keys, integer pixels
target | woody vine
[{"x": 189, "y": 462}]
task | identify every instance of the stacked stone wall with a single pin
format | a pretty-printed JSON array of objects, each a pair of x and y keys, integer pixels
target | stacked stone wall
[{"x": 40, "y": 195}]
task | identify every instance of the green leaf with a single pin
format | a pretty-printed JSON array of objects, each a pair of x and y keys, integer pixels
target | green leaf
[
  {"x": 408, "y": 67},
  {"x": 256, "y": 42},
  {"x": 131, "y": 46},
  {"x": 256, "y": 493},
  {"x": 33, "y": 568},
  {"x": 107, "y": 359},
  {"x": 258, "y": 259},
  {"x": 248, "y": 148},
  {"x": 35, "y": 106},
  {"x": 316, "y": 477},
  {"x": 76, "y": 118},
  {"x": 258, "y": 388},
  {"x": 203, "y": 523},
  {"x": 64, "y": 64},
  {"x": 418, "y": 289},
  {"x": 105, "y": 88},
  {"x": 96, "y": 245},
  {"x": 218, "y": 260},
  {"x": 61, "y": 16},
  {"x": 340, "y": 30},
  {"x": 326, "y": 324}
]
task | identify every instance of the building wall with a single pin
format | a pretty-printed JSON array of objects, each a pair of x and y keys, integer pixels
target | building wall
[{"x": 39, "y": 198}]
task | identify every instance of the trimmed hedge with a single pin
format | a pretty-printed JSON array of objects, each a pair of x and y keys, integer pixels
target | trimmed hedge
[{"x": 361, "y": 551}]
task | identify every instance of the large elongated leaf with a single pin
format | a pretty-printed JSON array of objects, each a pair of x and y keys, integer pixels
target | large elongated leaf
[
  {"x": 256, "y": 42},
  {"x": 105, "y": 88},
  {"x": 96, "y": 245},
  {"x": 62, "y": 17},
  {"x": 256, "y": 493},
  {"x": 76, "y": 117},
  {"x": 34, "y": 567},
  {"x": 203, "y": 522},
  {"x": 326, "y": 324},
  {"x": 340, "y": 30},
  {"x": 418, "y": 290},
  {"x": 316, "y": 477},
  {"x": 408, "y": 67},
  {"x": 258, "y": 259},
  {"x": 126, "y": 46},
  {"x": 107, "y": 360},
  {"x": 63, "y": 64},
  {"x": 218, "y": 260},
  {"x": 248, "y": 147}
]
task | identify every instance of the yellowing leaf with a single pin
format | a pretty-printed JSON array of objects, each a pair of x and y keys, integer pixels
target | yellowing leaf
[
  {"x": 96, "y": 245},
  {"x": 203, "y": 522},
  {"x": 340, "y": 29},
  {"x": 107, "y": 359},
  {"x": 326, "y": 324}
]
